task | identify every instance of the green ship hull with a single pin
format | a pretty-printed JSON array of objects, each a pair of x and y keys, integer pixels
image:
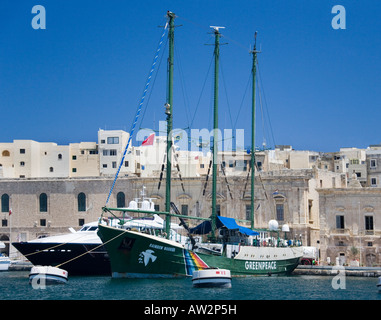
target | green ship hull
[
  {"x": 239, "y": 267},
  {"x": 137, "y": 255}
]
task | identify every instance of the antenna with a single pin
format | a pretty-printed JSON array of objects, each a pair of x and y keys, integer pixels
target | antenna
[{"x": 217, "y": 28}]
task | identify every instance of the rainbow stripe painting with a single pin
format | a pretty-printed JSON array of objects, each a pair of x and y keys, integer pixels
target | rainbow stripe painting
[{"x": 193, "y": 262}]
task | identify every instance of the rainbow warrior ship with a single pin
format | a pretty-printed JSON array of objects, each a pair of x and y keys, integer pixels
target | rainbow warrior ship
[{"x": 160, "y": 251}]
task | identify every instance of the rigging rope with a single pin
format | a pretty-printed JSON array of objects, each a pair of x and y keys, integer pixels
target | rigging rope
[{"x": 138, "y": 111}]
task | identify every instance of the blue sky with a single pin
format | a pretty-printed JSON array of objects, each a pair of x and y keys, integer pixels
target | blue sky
[{"x": 88, "y": 68}]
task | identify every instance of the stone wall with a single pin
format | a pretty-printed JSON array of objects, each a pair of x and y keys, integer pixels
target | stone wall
[{"x": 294, "y": 190}]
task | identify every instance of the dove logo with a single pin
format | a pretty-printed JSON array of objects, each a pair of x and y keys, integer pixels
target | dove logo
[{"x": 147, "y": 256}]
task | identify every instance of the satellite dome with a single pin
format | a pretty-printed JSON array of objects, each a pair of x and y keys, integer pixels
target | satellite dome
[
  {"x": 285, "y": 228},
  {"x": 273, "y": 225},
  {"x": 133, "y": 205}
]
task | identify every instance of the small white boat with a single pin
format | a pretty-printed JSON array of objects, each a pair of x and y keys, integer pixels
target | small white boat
[
  {"x": 379, "y": 284},
  {"x": 47, "y": 275},
  {"x": 212, "y": 278},
  {"x": 4, "y": 262}
]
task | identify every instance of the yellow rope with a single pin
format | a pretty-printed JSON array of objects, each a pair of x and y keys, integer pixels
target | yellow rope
[
  {"x": 91, "y": 249},
  {"x": 50, "y": 248}
]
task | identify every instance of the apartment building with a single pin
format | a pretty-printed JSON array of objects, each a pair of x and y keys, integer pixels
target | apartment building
[
  {"x": 373, "y": 165},
  {"x": 84, "y": 159},
  {"x": 31, "y": 159},
  {"x": 111, "y": 145}
]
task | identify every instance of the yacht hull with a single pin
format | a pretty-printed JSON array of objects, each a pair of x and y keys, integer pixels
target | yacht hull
[{"x": 84, "y": 262}]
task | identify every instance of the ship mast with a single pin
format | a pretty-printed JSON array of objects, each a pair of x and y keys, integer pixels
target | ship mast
[
  {"x": 168, "y": 112},
  {"x": 252, "y": 163},
  {"x": 217, "y": 35}
]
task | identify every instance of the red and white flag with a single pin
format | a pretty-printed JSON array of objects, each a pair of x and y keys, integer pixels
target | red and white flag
[
  {"x": 10, "y": 211},
  {"x": 149, "y": 140}
]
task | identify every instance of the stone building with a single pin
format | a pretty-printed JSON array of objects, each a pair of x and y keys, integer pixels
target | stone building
[
  {"x": 350, "y": 225},
  {"x": 42, "y": 207}
]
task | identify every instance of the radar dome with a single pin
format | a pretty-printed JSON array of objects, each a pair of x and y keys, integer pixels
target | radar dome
[
  {"x": 145, "y": 205},
  {"x": 133, "y": 205},
  {"x": 285, "y": 228},
  {"x": 273, "y": 225}
]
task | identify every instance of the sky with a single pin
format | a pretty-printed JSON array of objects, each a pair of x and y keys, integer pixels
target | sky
[{"x": 320, "y": 86}]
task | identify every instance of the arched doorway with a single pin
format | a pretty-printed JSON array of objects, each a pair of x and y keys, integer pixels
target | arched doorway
[{"x": 4, "y": 239}]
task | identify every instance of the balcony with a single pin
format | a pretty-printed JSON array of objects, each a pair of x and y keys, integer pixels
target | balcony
[{"x": 340, "y": 231}]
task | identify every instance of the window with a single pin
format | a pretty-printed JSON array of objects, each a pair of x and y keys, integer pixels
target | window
[
  {"x": 104, "y": 165},
  {"x": 280, "y": 211},
  {"x": 259, "y": 165},
  {"x": 120, "y": 200},
  {"x": 43, "y": 222},
  {"x": 22, "y": 151},
  {"x": 74, "y": 170},
  {"x": 369, "y": 223},
  {"x": 6, "y": 153},
  {"x": 112, "y": 140},
  {"x": 112, "y": 152},
  {"x": 43, "y": 202},
  {"x": 81, "y": 202},
  {"x": 4, "y": 223},
  {"x": 373, "y": 182},
  {"x": 202, "y": 166},
  {"x": 184, "y": 209},
  {"x": 218, "y": 209},
  {"x": 339, "y": 222},
  {"x": 248, "y": 212},
  {"x": 114, "y": 164},
  {"x": 310, "y": 209},
  {"x": 51, "y": 169},
  {"x": 157, "y": 207},
  {"x": 59, "y": 156},
  {"x": 81, "y": 222},
  {"x": 126, "y": 163},
  {"x": 22, "y": 163},
  {"x": 373, "y": 163},
  {"x": 4, "y": 203},
  {"x": 74, "y": 157}
]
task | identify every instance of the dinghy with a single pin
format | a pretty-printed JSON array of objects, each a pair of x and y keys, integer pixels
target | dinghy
[
  {"x": 47, "y": 275},
  {"x": 212, "y": 278}
]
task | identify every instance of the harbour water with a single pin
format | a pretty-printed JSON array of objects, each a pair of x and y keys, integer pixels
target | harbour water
[{"x": 14, "y": 285}]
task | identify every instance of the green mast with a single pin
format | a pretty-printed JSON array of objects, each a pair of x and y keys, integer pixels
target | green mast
[
  {"x": 215, "y": 128},
  {"x": 168, "y": 112},
  {"x": 252, "y": 164}
]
